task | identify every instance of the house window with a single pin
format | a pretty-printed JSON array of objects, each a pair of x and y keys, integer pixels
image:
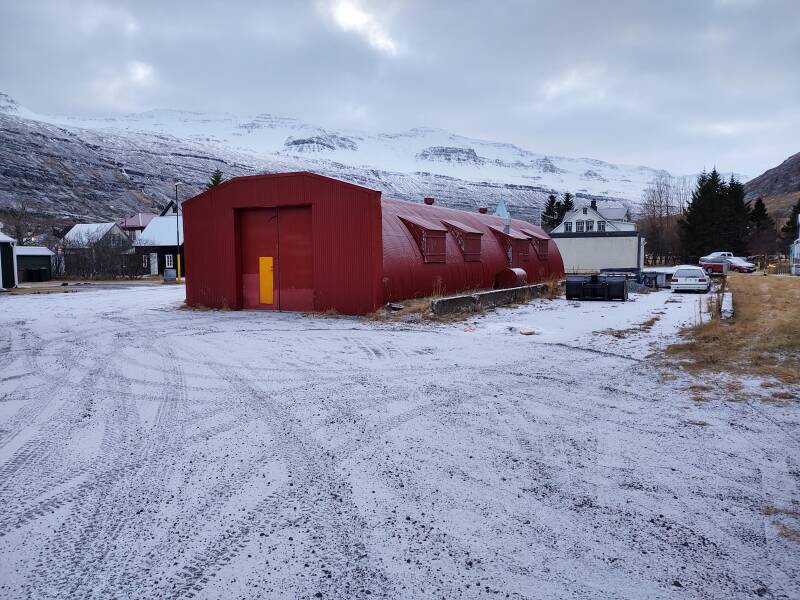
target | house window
[
  {"x": 168, "y": 261},
  {"x": 585, "y": 210},
  {"x": 589, "y": 225},
  {"x": 144, "y": 261},
  {"x": 579, "y": 226},
  {"x": 601, "y": 226},
  {"x": 431, "y": 239},
  {"x": 568, "y": 227}
]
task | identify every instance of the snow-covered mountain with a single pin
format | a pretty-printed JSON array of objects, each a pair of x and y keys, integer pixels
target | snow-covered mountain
[{"x": 103, "y": 167}]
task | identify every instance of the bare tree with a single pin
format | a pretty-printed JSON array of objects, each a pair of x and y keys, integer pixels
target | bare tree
[
  {"x": 22, "y": 225},
  {"x": 661, "y": 206}
]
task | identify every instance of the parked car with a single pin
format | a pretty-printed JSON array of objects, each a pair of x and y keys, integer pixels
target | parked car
[
  {"x": 715, "y": 264},
  {"x": 718, "y": 255},
  {"x": 690, "y": 278},
  {"x": 741, "y": 265}
]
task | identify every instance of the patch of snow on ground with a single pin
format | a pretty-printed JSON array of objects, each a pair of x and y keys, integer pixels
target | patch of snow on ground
[{"x": 148, "y": 451}]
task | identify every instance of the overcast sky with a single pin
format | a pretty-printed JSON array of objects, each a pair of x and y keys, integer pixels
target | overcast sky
[{"x": 680, "y": 85}]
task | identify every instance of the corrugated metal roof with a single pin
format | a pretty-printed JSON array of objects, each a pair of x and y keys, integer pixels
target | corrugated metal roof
[
  {"x": 83, "y": 232},
  {"x": 424, "y": 223},
  {"x": 530, "y": 233},
  {"x": 136, "y": 221},
  {"x": 33, "y": 251},
  {"x": 512, "y": 233},
  {"x": 161, "y": 232},
  {"x": 461, "y": 226}
]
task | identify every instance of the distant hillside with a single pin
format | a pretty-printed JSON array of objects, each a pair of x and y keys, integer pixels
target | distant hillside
[
  {"x": 96, "y": 169},
  {"x": 779, "y": 187}
]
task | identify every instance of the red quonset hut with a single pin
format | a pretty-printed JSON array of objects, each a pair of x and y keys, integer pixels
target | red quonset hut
[{"x": 300, "y": 241}]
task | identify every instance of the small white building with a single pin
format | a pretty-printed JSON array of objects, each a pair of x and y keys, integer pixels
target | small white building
[
  {"x": 591, "y": 239},
  {"x": 794, "y": 253}
]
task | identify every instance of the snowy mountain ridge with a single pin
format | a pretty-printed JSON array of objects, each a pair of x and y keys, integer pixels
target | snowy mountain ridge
[
  {"x": 93, "y": 167},
  {"x": 419, "y": 149}
]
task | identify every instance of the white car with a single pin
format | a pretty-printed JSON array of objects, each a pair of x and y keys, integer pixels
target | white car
[{"x": 690, "y": 278}]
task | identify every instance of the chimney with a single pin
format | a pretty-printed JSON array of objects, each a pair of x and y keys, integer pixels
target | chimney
[
  {"x": 594, "y": 204},
  {"x": 483, "y": 210},
  {"x": 429, "y": 201}
]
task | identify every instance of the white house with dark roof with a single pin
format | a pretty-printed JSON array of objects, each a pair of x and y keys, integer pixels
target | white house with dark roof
[{"x": 592, "y": 239}]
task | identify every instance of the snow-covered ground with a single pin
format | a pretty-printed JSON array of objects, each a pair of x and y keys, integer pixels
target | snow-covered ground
[{"x": 147, "y": 451}]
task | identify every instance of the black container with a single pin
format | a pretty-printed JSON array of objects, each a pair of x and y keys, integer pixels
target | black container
[{"x": 596, "y": 287}]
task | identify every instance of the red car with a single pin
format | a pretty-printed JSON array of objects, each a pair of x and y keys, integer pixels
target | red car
[{"x": 714, "y": 264}]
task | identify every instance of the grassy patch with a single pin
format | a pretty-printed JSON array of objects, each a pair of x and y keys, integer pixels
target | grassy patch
[
  {"x": 762, "y": 339},
  {"x": 642, "y": 327}
]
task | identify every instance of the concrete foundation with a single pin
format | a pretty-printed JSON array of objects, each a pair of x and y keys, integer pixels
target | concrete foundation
[{"x": 489, "y": 299}]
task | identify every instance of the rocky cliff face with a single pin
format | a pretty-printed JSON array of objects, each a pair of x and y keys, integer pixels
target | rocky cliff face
[
  {"x": 93, "y": 169},
  {"x": 779, "y": 187},
  {"x": 783, "y": 179}
]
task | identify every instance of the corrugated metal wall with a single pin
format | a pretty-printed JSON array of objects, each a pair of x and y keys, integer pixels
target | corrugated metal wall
[
  {"x": 345, "y": 229},
  {"x": 364, "y": 255},
  {"x": 405, "y": 275}
]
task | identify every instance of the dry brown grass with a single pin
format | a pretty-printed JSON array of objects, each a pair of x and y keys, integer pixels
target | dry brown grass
[
  {"x": 775, "y": 510},
  {"x": 790, "y": 533},
  {"x": 762, "y": 339},
  {"x": 420, "y": 308},
  {"x": 642, "y": 327}
]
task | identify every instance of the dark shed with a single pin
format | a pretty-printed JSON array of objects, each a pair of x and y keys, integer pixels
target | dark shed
[
  {"x": 300, "y": 241},
  {"x": 8, "y": 277},
  {"x": 34, "y": 263}
]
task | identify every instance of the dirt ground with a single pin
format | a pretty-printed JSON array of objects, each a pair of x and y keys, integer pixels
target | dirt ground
[{"x": 148, "y": 451}]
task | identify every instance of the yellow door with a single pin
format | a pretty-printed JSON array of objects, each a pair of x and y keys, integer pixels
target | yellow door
[{"x": 266, "y": 280}]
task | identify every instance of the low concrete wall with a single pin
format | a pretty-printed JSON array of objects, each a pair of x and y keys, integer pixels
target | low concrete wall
[
  {"x": 726, "y": 309},
  {"x": 489, "y": 299}
]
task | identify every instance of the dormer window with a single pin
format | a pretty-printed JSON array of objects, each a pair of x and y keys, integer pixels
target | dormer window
[
  {"x": 589, "y": 226},
  {"x": 430, "y": 238},
  {"x": 579, "y": 226},
  {"x": 568, "y": 226},
  {"x": 467, "y": 238}
]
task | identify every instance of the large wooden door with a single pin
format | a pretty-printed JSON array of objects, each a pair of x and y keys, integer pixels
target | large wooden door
[
  {"x": 258, "y": 235},
  {"x": 295, "y": 258}
]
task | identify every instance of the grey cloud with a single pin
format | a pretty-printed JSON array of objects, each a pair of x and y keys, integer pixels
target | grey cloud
[{"x": 679, "y": 85}]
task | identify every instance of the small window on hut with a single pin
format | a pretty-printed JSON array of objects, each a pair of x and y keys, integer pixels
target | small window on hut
[
  {"x": 540, "y": 243},
  {"x": 431, "y": 238},
  {"x": 467, "y": 238},
  {"x": 515, "y": 244}
]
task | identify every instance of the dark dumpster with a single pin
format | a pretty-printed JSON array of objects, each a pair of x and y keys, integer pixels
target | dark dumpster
[{"x": 596, "y": 287}]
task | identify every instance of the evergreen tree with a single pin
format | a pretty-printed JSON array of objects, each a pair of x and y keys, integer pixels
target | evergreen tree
[
  {"x": 734, "y": 218},
  {"x": 698, "y": 225},
  {"x": 790, "y": 232},
  {"x": 759, "y": 217},
  {"x": 566, "y": 205},
  {"x": 550, "y": 214},
  {"x": 717, "y": 217},
  {"x": 762, "y": 229},
  {"x": 215, "y": 179}
]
